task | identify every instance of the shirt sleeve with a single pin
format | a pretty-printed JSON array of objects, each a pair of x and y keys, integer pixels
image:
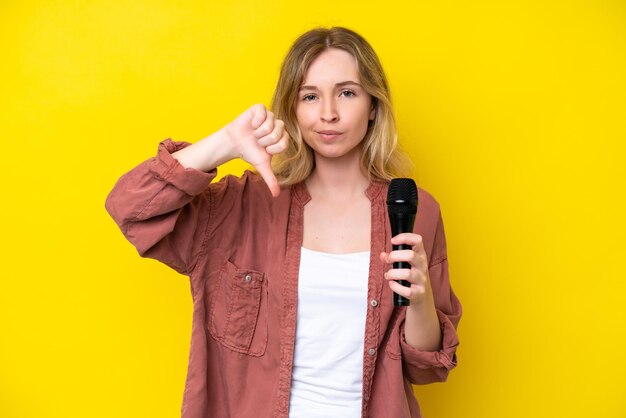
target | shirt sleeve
[
  {"x": 422, "y": 367},
  {"x": 163, "y": 209}
]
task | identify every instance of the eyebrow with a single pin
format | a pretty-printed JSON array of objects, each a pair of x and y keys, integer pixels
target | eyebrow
[{"x": 343, "y": 83}]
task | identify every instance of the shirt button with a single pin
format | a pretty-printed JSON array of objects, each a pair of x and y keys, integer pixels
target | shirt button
[
  {"x": 247, "y": 278},
  {"x": 374, "y": 303},
  {"x": 371, "y": 351}
]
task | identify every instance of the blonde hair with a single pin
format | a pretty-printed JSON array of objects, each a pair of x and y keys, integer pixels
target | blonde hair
[{"x": 381, "y": 156}]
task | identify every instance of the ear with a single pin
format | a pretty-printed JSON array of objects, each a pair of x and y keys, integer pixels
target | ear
[{"x": 373, "y": 112}]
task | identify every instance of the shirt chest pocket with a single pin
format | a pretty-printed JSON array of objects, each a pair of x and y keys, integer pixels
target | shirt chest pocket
[{"x": 237, "y": 316}]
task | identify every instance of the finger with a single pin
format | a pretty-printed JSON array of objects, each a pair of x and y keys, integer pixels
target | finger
[
  {"x": 415, "y": 259},
  {"x": 280, "y": 146},
  {"x": 258, "y": 115},
  {"x": 274, "y": 136},
  {"x": 266, "y": 127},
  {"x": 414, "y": 276},
  {"x": 401, "y": 290},
  {"x": 409, "y": 292},
  {"x": 265, "y": 170},
  {"x": 401, "y": 274},
  {"x": 408, "y": 238},
  {"x": 408, "y": 256}
]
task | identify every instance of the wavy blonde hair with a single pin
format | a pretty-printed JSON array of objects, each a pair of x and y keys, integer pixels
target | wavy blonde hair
[{"x": 381, "y": 157}]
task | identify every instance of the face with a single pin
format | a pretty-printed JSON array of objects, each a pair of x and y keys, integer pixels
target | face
[{"x": 333, "y": 109}]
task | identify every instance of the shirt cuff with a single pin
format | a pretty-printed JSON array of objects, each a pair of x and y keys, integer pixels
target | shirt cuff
[
  {"x": 446, "y": 357},
  {"x": 167, "y": 168}
]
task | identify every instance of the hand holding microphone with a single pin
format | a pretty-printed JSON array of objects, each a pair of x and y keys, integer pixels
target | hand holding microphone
[{"x": 408, "y": 278}]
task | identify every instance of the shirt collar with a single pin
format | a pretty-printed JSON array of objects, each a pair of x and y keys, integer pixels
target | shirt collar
[{"x": 375, "y": 188}]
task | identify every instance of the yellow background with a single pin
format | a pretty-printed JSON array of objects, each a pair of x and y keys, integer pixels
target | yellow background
[{"x": 513, "y": 113}]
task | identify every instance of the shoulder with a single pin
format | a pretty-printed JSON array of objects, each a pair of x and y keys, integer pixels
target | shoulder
[
  {"x": 426, "y": 202},
  {"x": 428, "y": 219}
]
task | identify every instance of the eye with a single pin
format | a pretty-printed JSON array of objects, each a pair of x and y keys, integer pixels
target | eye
[
  {"x": 348, "y": 93},
  {"x": 308, "y": 98}
]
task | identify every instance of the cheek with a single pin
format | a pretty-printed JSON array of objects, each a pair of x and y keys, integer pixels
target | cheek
[
  {"x": 303, "y": 118},
  {"x": 362, "y": 123},
  {"x": 303, "y": 124},
  {"x": 360, "y": 117}
]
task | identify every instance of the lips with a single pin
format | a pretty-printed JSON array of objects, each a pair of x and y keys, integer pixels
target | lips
[{"x": 328, "y": 135}]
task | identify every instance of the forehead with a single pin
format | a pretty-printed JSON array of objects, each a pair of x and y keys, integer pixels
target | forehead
[{"x": 332, "y": 66}]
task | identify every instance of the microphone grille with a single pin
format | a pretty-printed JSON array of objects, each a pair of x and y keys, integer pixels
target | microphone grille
[{"x": 402, "y": 191}]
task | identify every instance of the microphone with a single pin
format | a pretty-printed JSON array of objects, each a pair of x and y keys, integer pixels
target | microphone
[{"x": 402, "y": 207}]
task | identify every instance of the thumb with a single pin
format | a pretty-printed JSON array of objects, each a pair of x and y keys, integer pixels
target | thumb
[{"x": 265, "y": 170}]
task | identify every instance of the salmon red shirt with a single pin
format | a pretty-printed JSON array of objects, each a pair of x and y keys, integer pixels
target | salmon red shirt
[{"x": 240, "y": 248}]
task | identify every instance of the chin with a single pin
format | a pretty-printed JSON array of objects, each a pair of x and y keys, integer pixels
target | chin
[{"x": 335, "y": 152}]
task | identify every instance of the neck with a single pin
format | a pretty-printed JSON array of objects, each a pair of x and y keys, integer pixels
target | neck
[{"x": 337, "y": 177}]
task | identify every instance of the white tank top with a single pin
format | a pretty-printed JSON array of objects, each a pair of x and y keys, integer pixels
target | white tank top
[{"x": 327, "y": 376}]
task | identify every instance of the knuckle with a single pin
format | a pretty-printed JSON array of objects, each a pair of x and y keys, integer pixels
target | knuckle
[
  {"x": 280, "y": 146},
  {"x": 258, "y": 111}
]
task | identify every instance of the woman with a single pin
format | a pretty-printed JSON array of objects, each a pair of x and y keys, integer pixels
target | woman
[{"x": 290, "y": 277}]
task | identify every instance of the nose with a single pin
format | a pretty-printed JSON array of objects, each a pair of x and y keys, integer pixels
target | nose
[{"x": 329, "y": 111}]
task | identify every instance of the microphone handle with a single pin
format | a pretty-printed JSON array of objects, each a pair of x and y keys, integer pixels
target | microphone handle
[{"x": 397, "y": 299}]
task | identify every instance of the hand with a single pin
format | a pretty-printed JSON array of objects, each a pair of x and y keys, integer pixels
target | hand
[
  {"x": 420, "y": 290},
  {"x": 256, "y": 136}
]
